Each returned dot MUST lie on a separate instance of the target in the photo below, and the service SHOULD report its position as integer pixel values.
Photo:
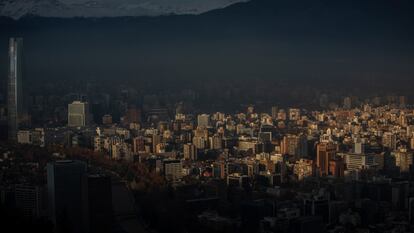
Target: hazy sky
(261, 38)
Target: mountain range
(338, 40)
(107, 8)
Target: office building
(15, 101)
(325, 152)
(403, 159)
(33, 137)
(64, 182)
(411, 210)
(203, 120)
(28, 199)
(97, 204)
(138, 144)
(190, 152)
(307, 224)
(156, 139)
(355, 162)
(359, 148)
(24, 137)
(199, 142)
(238, 180)
(336, 168)
(265, 136)
(389, 140)
(290, 144)
(216, 142)
(173, 170)
(78, 114)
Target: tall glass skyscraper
(15, 88)
(64, 184)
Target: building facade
(15, 100)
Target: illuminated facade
(78, 114)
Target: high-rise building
(97, 204)
(309, 224)
(33, 137)
(78, 114)
(238, 180)
(138, 144)
(15, 100)
(302, 146)
(336, 168)
(216, 142)
(203, 120)
(389, 140)
(275, 111)
(160, 148)
(290, 144)
(325, 152)
(199, 142)
(64, 182)
(265, 136)
(29, 199)
(411, 210)
(173, 170)
(201, 132)
(359, 147)
(356, 162)
(295, 145)
(24, 137)
(156, 139)
(190, 152)
(403, 159)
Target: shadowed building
(97, 204)
(64, 182)
(15, 88)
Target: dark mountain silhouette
(301, 39)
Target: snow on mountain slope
(108, 8)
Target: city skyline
(219, 116)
